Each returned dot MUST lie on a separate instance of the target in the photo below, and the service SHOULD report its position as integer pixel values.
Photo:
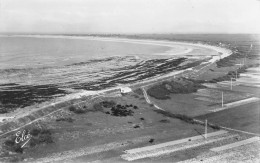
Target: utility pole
(206, 123)
(231, 82)
(222, 100)
(251, 46)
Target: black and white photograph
(120, 81)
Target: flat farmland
(245, 117)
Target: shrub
(9, 142)
(69, 119)
(18, 149)
(164, 121)
(120, 110)
(76, 110)
(135, 107)
(136, 126)
(80, 111)
(108, 104)
(3, 110)
(45, 138)
(159, 92)
(177, 116)
(138, 91)
(142, 98)
(163, 90)
(230, 74)
(97, 107)
(72, 108)
(45, 131)
(135, 96)
(41, 136)
(35, 131)
(12, 146)
(215, 127)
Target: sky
(129, 16)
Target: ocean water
(35, 69)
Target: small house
(125, 90)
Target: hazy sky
(130, 16)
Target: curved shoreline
(224, 53)
(165, 43)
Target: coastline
(161, 42)
(183, 111)
(224, 53)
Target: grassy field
(177, 86)
(73, 130)
(245, 117)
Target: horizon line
(99, 33)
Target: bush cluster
(116, 109)
(151, 140)
(120, 110)
(159, 92)
(68, 119)
(76, 110)
(3, 111)
(136, 126)
(215, 127)
(108, 104)
(164, 121)
(138, 91)
(12, 146)
(177, 116)
(163, 90)
(40, 136)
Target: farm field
(244, 117)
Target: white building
(125, 90)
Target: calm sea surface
(24, 52)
